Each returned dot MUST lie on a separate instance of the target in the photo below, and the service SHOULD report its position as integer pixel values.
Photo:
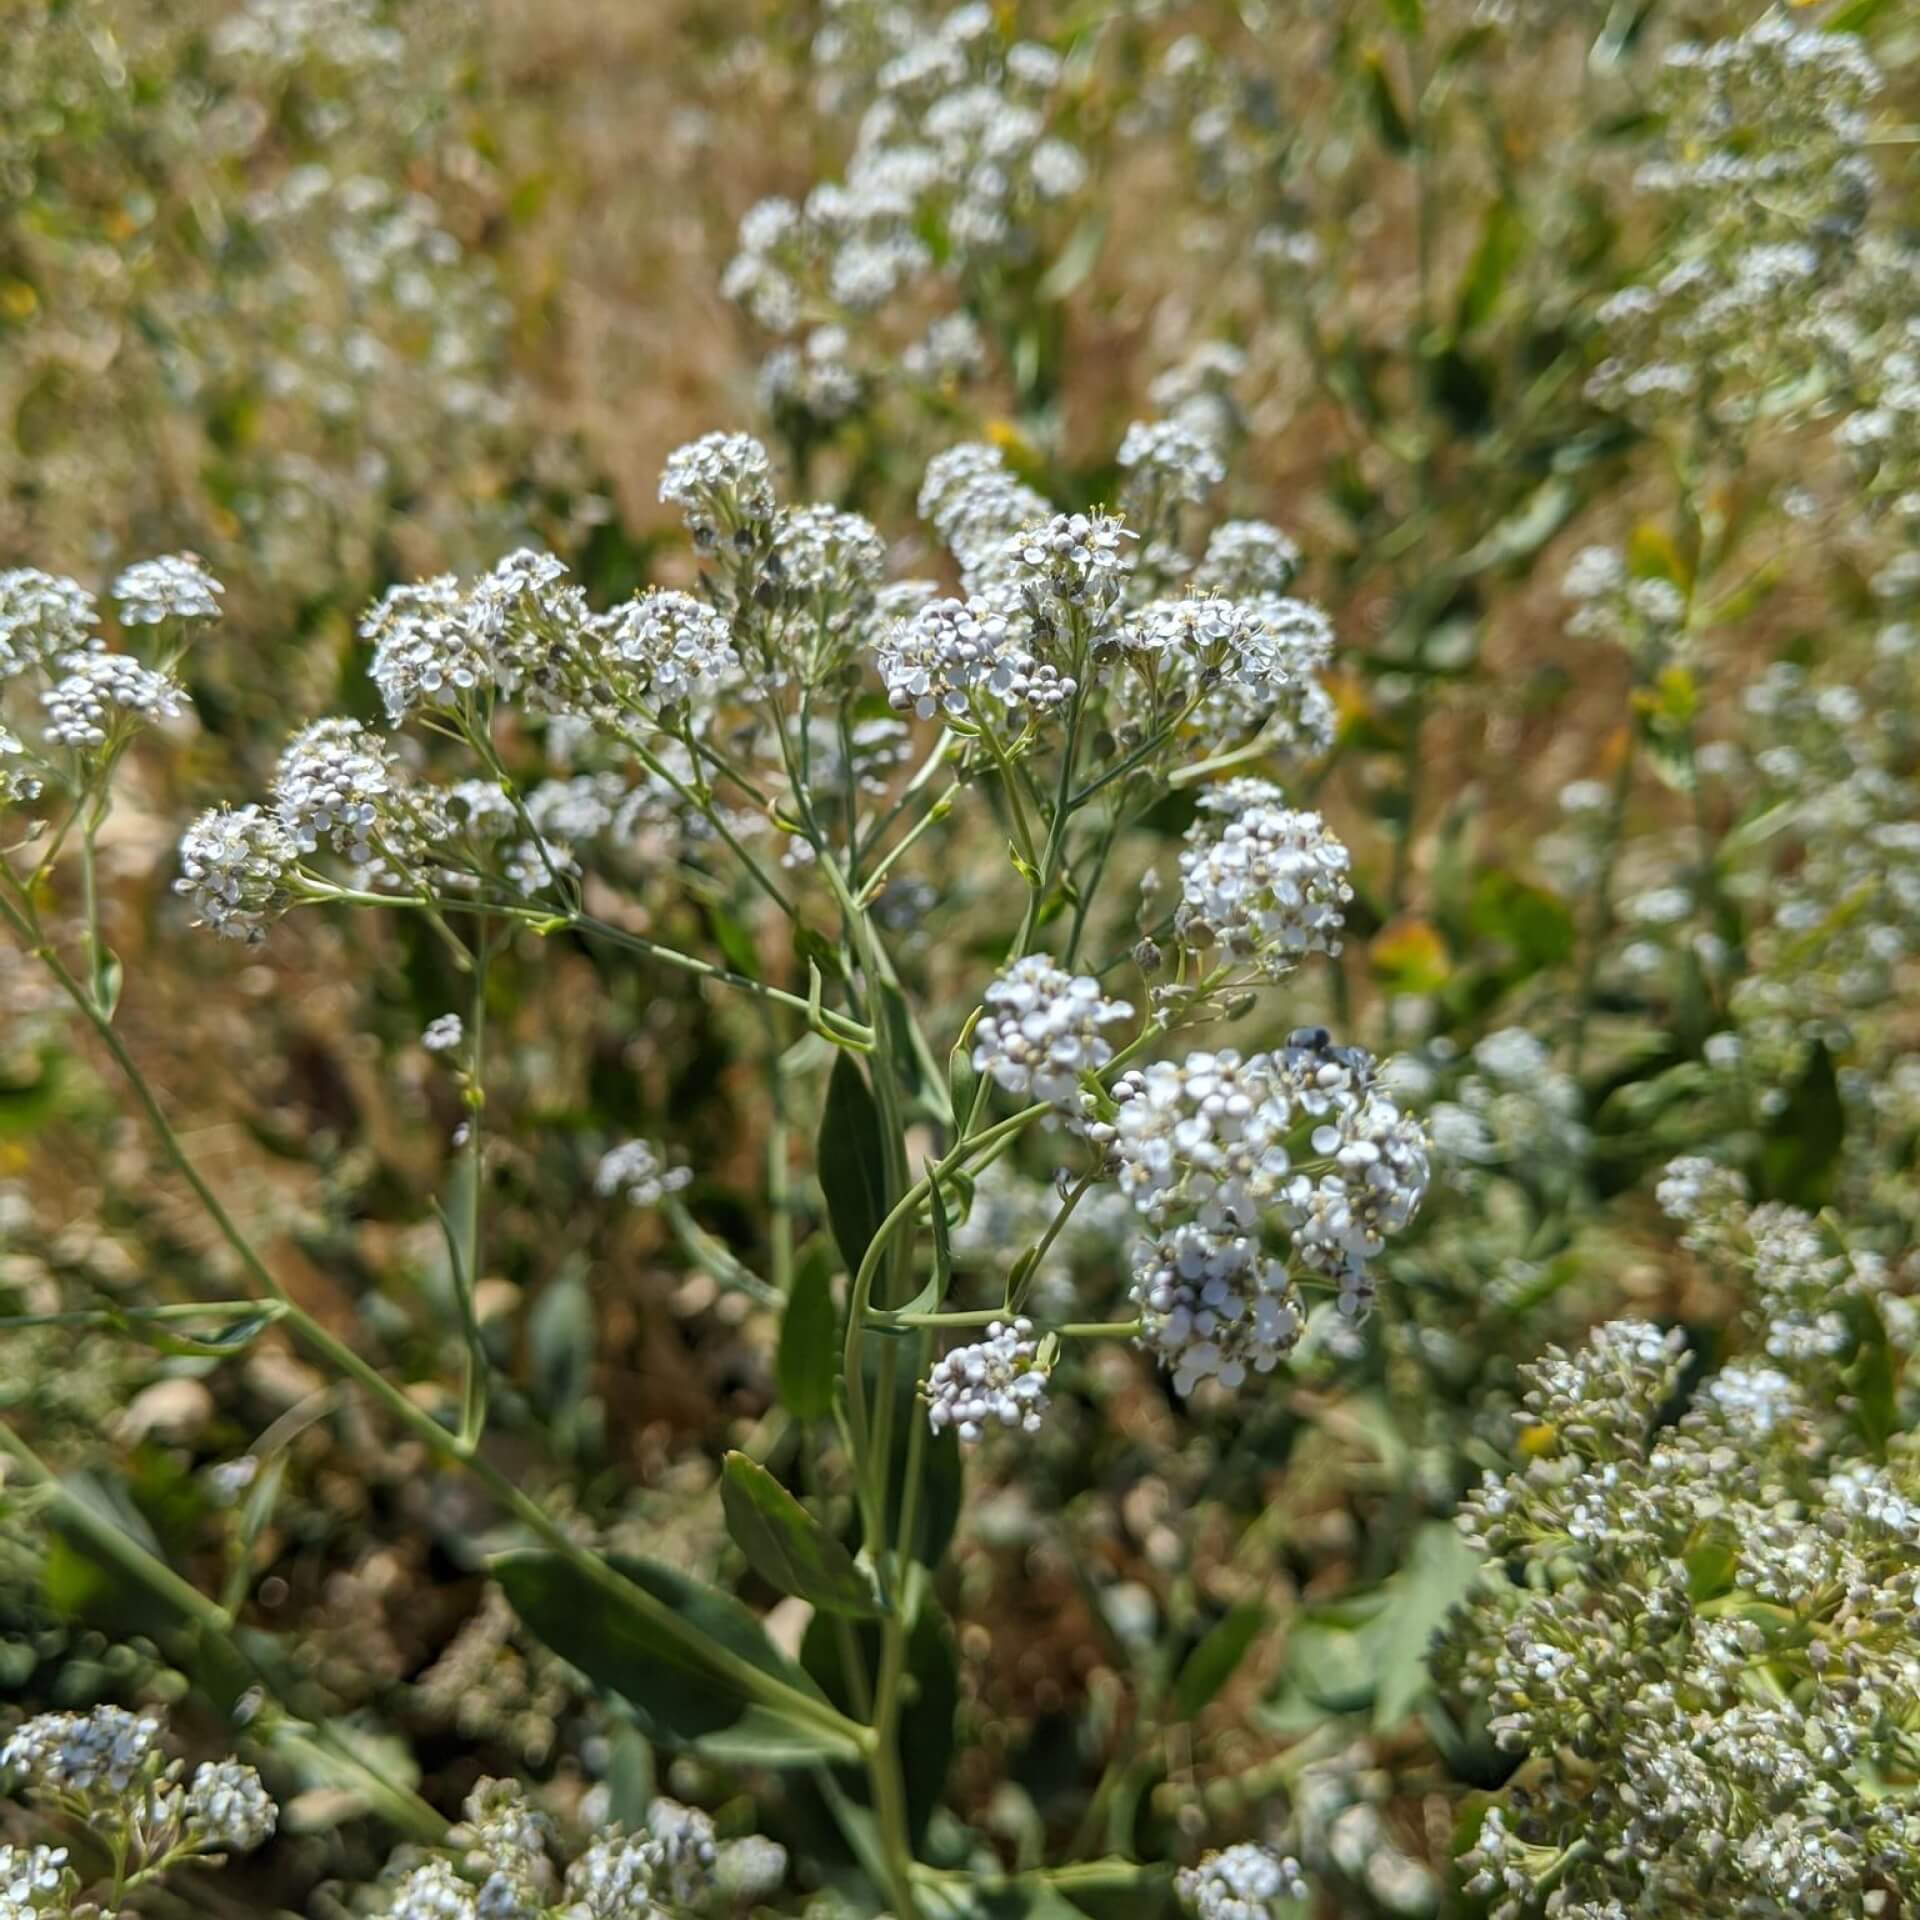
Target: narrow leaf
(678, 1697)
(808, 1361)
(1211, 1664)
(787, 1546)
(851, 1160)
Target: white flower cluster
(723, 485)
(1611, 604)
(106, 1768)
(97, 692)
(950, 656)
(1261, 882)
(1215, 1307)
(1769, 176)
(1240, 1883)
(444, 1034)
(953, 142)
(1247, 560)
(1658, 1565)
(335, 787)
(1069, 570)
(998, 1381)
(36, 1881)
(516, 629)
(227, 1810)
(1253, 663)
(502, 1866)
(44, 617)
(830, 562)
(1041, 1030)
(973, 500)
(638, 1172)
(1223, 1147)
(234, 868)
(1167, 463)
(177, 586)
(675, 648)
(1509, 1105)
(103, 1751)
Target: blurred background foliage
(336, 293)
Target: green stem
(843, 1030)
(406, 1809)
(752, 1681)
(191, 1310)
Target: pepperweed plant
(1118, 1120)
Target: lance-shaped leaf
(786, 1546)
(681, 1696)
(808, 1361)
(852, 1161)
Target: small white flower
(444, 1034)
(1261, 881)
(673, 647)
(233, 867)
(638, 1173)
(1041, 1030)
(227, 1808)
(996, 1381)
(80, 1753)
(84, 705)
(1167, 460)
(43, 618)
(1241, 1883)
(723, 484)
(177, 586)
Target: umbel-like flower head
(1214, 1307)
(1260, 881)
(1041, 1030)
(234, 865)
(43, 618)
(950, 655)
(177, 586)
(723, 485)
(97, 694)
(667, 648)
(1240, 1883)
(1302, 1138)
(997, 1381)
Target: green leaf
(1439, 1571)
(1855, 17)
(1526, 530)
(942, 1239)
(808, 1361)
(1408, 16)
(930, 1701)
(1802, 1143)
(1534, 925)
(852, 1158)
(1388, 118)
(734, 941)
(786, 1546)
(1212, 1663)
(1873, 1378)
(218, 1342)
(678, 1698)
(1502, 238)
(1075, 260)
(109, 976)
(940, 1476)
